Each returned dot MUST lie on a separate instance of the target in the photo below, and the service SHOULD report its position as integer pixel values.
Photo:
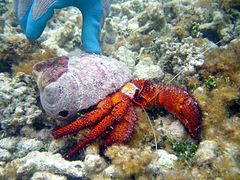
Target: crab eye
(63, 113)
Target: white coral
(18, 99)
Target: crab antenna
(154, 134)
(212, 47)
(179, 73)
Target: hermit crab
(69, 84)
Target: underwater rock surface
(18, 100)
(46, 161)
(195, 40)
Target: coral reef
(15, 48)
(145, 69)
(207, 152)
(225, 62)
(47, 176)
(220, 123)
(133, 18)
(230, 4)
(26, 66)
(169, 126)
(130, 161)
(63, 33)
(3, 6)
(126, 35)
(143, 133)
(18, 99)
(183, 56)
(198, 39)
(59, 38)
(43, 161)
(164, 160)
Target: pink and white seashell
(72, 83)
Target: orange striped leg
(116, 114)
(104, 108)
(123, 131)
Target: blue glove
(33, 15)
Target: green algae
(211, 82)
(185, 150)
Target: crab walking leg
(104, 108)
(116, 114)
(122, 131)
(181, 104)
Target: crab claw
(181, 104)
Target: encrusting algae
(130, 161)
(27, 65)
(225, 61)
(222, 66)
(142, 133)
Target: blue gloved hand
(33, 15)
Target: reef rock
(5, 155)
(207, 152)
(47, 176)
(26, 145)
(45, 161)
(181, 55)
(146, 69)
(170, 127)
(9, 143)
(162, 160)
(94, 163)
(18, 101)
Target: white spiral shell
(69, 84)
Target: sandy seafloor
(157, 40)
